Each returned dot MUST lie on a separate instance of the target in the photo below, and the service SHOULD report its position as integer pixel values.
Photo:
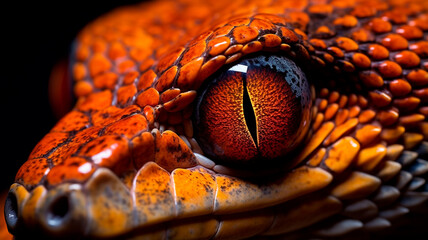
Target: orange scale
(366, 116)
(125, 94)
(150, 97)
(130, 77)
(98, 45)
(371, 79)
(128, 127)
(126, 66)
(244, 34)
(362, 11)
(395, 16)
(318, 43)
(395, 42)
(343, 100)
(342, 116)
(360, 60)
(407, 59)
(420, 48)
(352, 99)
(346, 44)
(400, 87)
(387, 117)
(271, 40)
(139, 54)
(166, 79)
(239, 22)
(378, 52)
(172, 152)
(250, 47)
(98, 63)
(116, 50)
(73, 121)
(169, 94)
(334, 96)
(325, 31)
(362, 101)
(74, 169)
(110, 151)
(406, 104)
(335, 51)
(261, 24)
(193, 52)
(328, 58)
(64, 151)
(301, 34)
(354, 111)
(83, 136)
(362, 35)
(168, 59)
(218, 45)
(222, 31)
(424, 111)
(188, 74)
(422, 94)
(96, 101)
(82, 52)
(149, 112)
(288, 35)
(390, 69)
(418, 77)
(379, 25)
(106, 80)
(411, 120)
(367, 134)
(79, 71)
(49, 142)
(209, 68)
(180, 102)
(420, 22)
(346, 21)
(379, 98)
(143, 149)
(233, 49)
(410, 32)
(146, 64)
(32, 172)
(341, 130)
(104, 116)
(146, 80)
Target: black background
(34, 36)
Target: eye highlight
(257, 110)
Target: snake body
(124, 162)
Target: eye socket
(254, 112)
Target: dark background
(34, 36)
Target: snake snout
(60, 211)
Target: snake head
(297, 119)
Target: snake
(237, 119)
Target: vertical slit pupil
(250, 117)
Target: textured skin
(137, 71)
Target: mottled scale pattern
(127, 160)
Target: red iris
(258, 109)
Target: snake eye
(257, 110)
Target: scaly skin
(124, 161)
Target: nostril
(58, 211)
(11, 211)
